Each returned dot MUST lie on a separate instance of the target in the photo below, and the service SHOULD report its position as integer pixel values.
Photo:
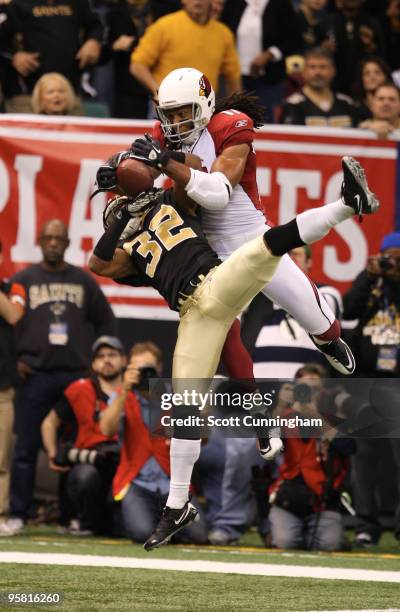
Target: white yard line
(251, 569)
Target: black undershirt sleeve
(64, 411)
(107, 244)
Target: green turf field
(98, 588)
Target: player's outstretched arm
(232, 163)
(120, 266)
(182, 198)
(108, 260)
(211, 191)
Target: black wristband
(107, 244)
(178, 156)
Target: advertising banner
(48, 166)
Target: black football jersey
(300, 110)
(169, 250)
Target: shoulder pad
(230, 127)
(230, 120)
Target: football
(133, 177)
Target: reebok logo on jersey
(241, 123)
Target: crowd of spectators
(84, 398)
(312, 62)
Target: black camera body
(5, 286)
(385, 263)
(145, 375)
(388, 262)
(302, 393)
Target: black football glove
(114, 210)
(149, 151)
(133, 206)
(106, 176)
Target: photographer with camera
(142, 478)
(91, 460)
(11, 310)
(374, 300)
(306, 496)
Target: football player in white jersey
(222, 136)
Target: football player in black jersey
(154, 240)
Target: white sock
(316, 223)
(183, 454)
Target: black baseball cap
(110, 341)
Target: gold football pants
(207, 315)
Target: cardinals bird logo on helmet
(205, 86)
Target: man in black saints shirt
(60, 36)
(165, 247)
(62, 304)
(317, 104)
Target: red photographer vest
(138, 446)
(82, 398)
(301, 458)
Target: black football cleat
(338, 354)
(355, 191)
(172, 521)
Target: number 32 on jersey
(159, 236)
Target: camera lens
(302, 393)
(145, 374)
(386, 263)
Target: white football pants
(290, 287)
